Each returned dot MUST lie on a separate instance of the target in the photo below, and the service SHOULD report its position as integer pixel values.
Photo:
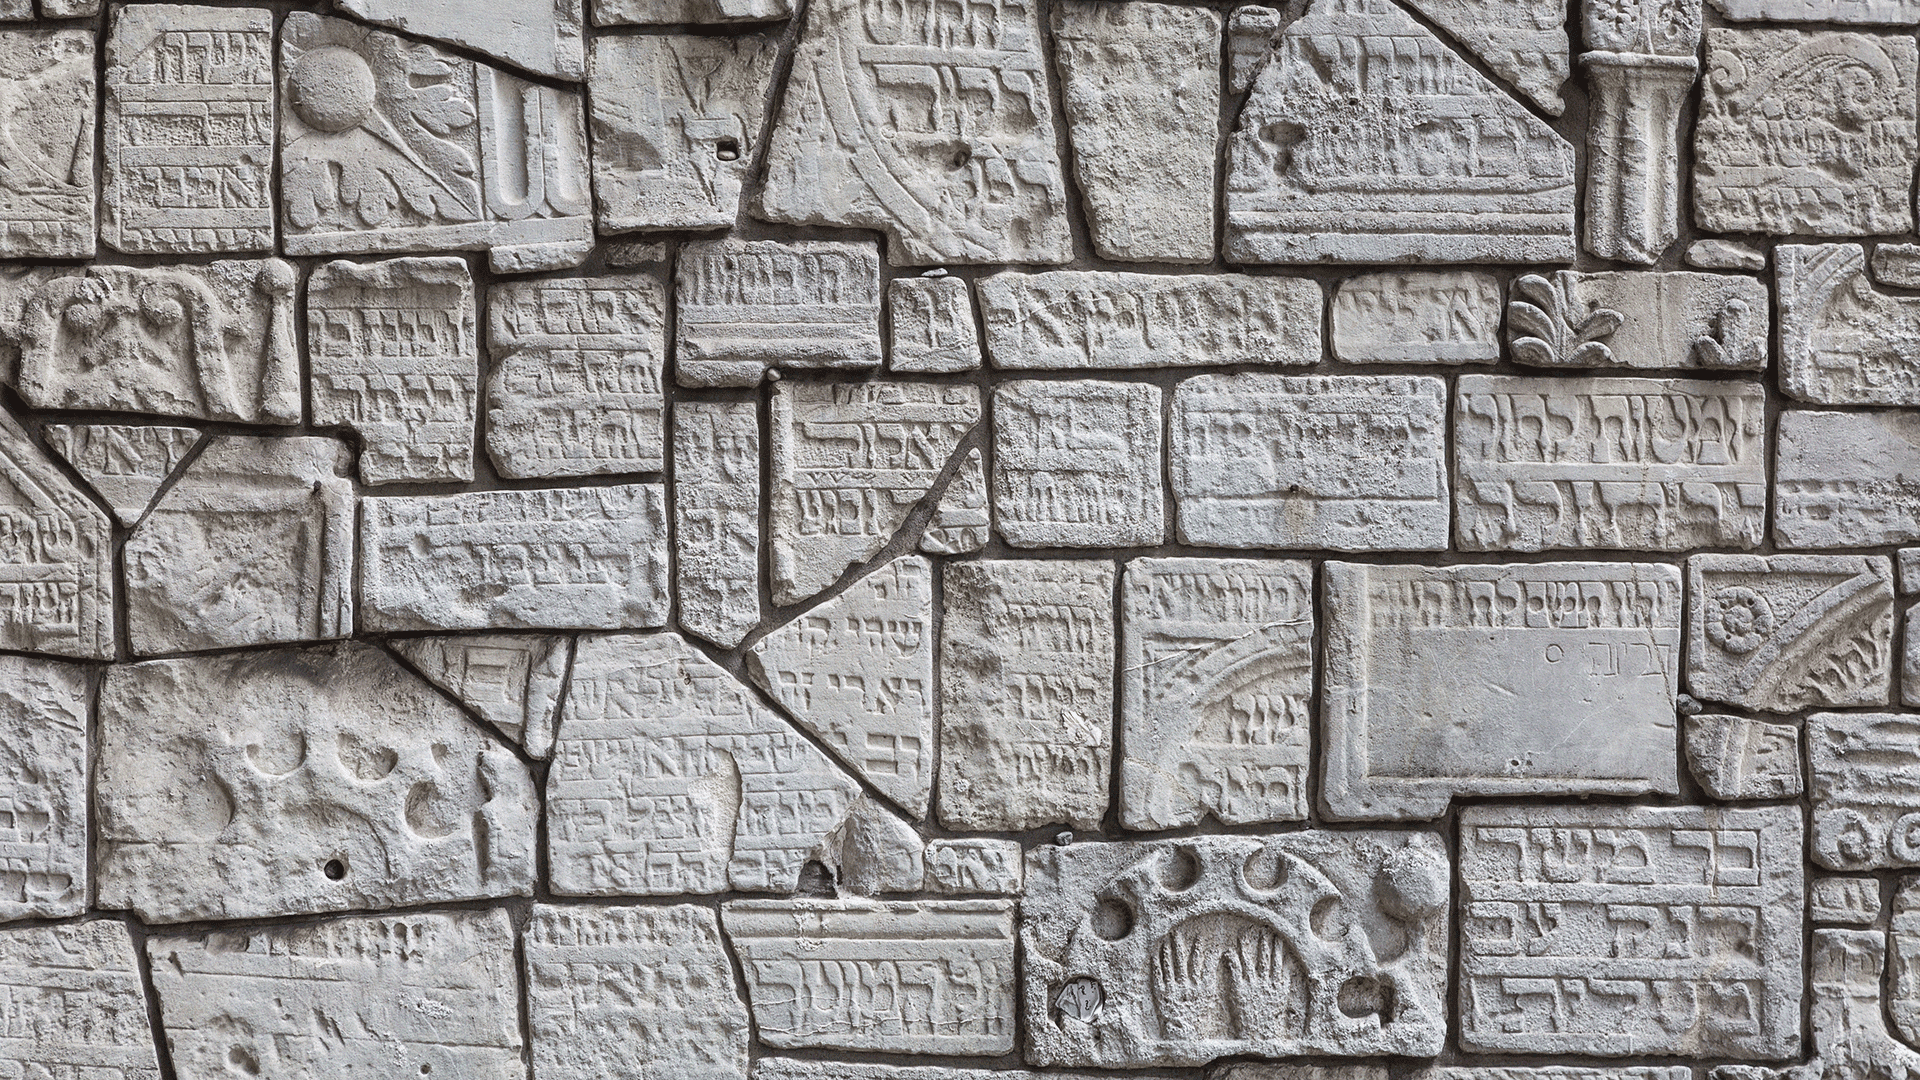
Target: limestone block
(1271, 1070)
(671, 12)
(1071, 319)
(1641, 464)
(777, 1068)
(743, 802)
(625, 992)
(1910, 659)
(544, 38)
(1846, 479)
(1842, 341)
(45, 710)
(390, 145)
(1487, 679)
(857, 672)
(512, 681)
(253, 545)
(188, 130)
(1907, 562)
(295, 781)
(931, 976)
(1348, 462)
(1867, 12)
(716, 515)
(932, 321)
(868, 138)
(47, 177)
(1026, 693)
(1140, 84)
(742, 306)
(1844, 901)
(1253, 33)
(962, 521)
(1636, 319)
(1781, 633)
(1806, 132)
(1077, 464)
(1525, 44)
(1904, 937)
(1640, 73)
(575, 387)
(872, 850)
(1718, 254)
(124, 464)
(1417, 317)
(212, 342)
(394, 358)
(56, 563)
(1332, 158)
(568, 558)
(1848, 1017)
(1176, 952)
(850, 463)
(1553, 1072)
(75, 1004)
(1216, 688)
(956, 867)
(676, 124)
(428, 993)
(1686, 902)
(1865, 784)
(1738, 758)
(1897, 265)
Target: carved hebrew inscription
(1781, 633)
(75, 1006)
(56, 556)
(1111, 321)
(743, 306)
(47, 178)
(1843, 479)
(1075, 464)
(45, 706)
(716, 469)
(1866, 798)
(1842, 341)
(124, 463)
(1417, 317)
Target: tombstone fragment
(544, 38)
(873, 850)
(1897, 265)
(252, 545)
(673, 12)
(125, 464)
(1552, 1072)
(956, 867)
(1640, 69)
(575, 388)
(45, 711)
(1910, 661)
(1738, 758)
(297, 781)
(1724, 255)
(932, 320)
(1781, 633)
(1525, 44)
(716, 472)
(1842, 341)
(1215, 945)
(1417, 317)
(962, 521)
(80, 1008)
(742, 306)
(1077, 464)
(1848, 1018)
(47, 177)
(568, 558)
(1863, 786)
(1844, 901)
(1640, 320)
(513, 681)
(1840, 479)
(56, 564)
(1072, 319)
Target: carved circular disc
(332, 88)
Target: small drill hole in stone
(336, 869)
(727, 150)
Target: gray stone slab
(932, 325)
(1848, 1017)
(57, 568)
(1417, 317)
(672, 12)
(49, 173)
(962, 520)
(1781, 633)
(1867, 12)
(1640, 73)
(46, 709)
(1637, 319)
(1077, 464)
(512, 681)
(1843, 341)
(742, 306)
(716, 516)
(1106, 320)
(1903, 938)
(77, 1005)
(1738, 758)
(1865, 789)
(1717, 254)
(1843, 901)
(959, 867)
(1846, 479)
(544, 38)
(124, 463)
(1525, 44)
(1897, 265)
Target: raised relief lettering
(45, 711)
(1846, 479)
(1865, 788)
(1842, 341)
(46, 176)
(1417, 317)
(125, 464)
(1843, 901)
(1738, 758)
(75, 1004)
(742, 306)
(513, 681)
(962, 521)
(1077, 464)
(1781, 633)
(957, 867)
(1523, 43)
(932, 322)
(56, 556)
(1110, 321)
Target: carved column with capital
(1643, 61)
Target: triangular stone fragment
(125, 463)
(542, 36)
(858, 672)
(1523, 41)
(961, 521)
(512, 680)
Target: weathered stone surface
(575, 385)
(1077, 464)
(1071, 319)
(47, 177)
(75, 1004)
(585, 558)
(1910, 660)
(1348, 462)
(974, 866)
(640, 993)
(1640, 72)
(1870, 12)
(742, 306)
(389, 145)
(513, 681)
(873, 850)
(1140, 85)
(742, 801)
(1865, 788)
(1848, 1018)
(1904, 938)
(1725, 255)
(253, 545)
(544, 38)
(1253, 32)
(850, 462)
(1215, 691)
(932, 321)
(716, 508)
(1642, 464)
(123, 463)
(1026, 688)
(930, 977)
(775, 1068)
(394, 358)
(1738, 758)
(214, 341)
(1806, 132)
(1842, 341)
(671, 12)
(188, 130)
(294, 781)
(857, 672)
(430, 993)
(1844, 901)
(1907, 565)
(1781, 633)
(1417, 317)
(933, 125)
(1177, 952)
(45, 710)
(56, 556)
(1490, 680)
(1695, 908)
(1635, 319)
(1335, 157)
(1846, 479)
(676, 123)
(962, 521)
(1551, 1072)
(1270, 1070)
(1525, 44)
(1897, 265)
